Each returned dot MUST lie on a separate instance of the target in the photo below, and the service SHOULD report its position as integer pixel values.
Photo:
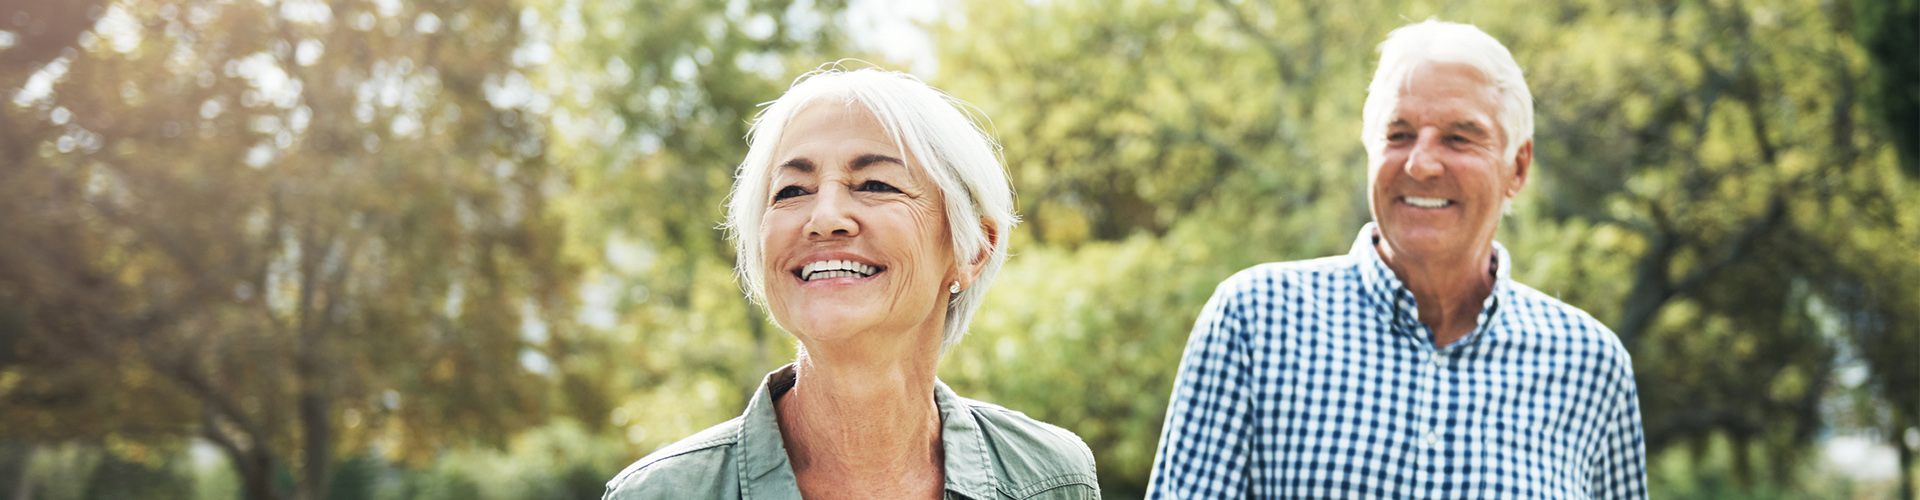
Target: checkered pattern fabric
(1315, 379)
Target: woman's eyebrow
(804, 165)
(869, 159)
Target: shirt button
(1439, 360)
(1430, 439)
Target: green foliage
(560, 461)
(284, 228)
(1710, 471)
(1703, 184)
(451, 221)
(114, 478)
(654, 102)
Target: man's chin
(1423, 243)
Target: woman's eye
(789, 192)
(879, 187)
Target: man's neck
(863, 429)
(1449, 293)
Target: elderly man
(1412, 367)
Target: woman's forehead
(843, 131)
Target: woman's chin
(828, 330)
(828, 323)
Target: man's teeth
(829, 269)
(1426, 202)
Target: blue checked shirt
(1316, 379)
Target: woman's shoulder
(695, 467)
(1033, 457)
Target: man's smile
(1425, 202)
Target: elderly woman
(870, 216)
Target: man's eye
(789, 192)
(1399, 136)
(878, 187)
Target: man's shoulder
(1282, 274)
(1032, 455)
(1539, 314)
(695, 467)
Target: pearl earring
(954, 288)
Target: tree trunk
(318, 453)
(22, 481)
(1651, 289)
(316, 388)
(1906, 466)
(253, 462)
(256, 475)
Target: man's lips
(1426, 202)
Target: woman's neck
(863, 427)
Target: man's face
(1438, 184)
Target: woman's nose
(832, 214)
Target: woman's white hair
(932, 128)
(1438, 41)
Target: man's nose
(832, 214)
(1423, 162)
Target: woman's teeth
(829, 269)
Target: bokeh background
(466, 249)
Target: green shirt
(992, 453)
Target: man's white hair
(933, 130)
(1434, 41)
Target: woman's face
(856, 238)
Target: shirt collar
(764, 470)
(1391, 298)
(766, 473)
(970, 466)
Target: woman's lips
(836, 268)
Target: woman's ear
(971, 270)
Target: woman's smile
(830, 270)
(859, 228)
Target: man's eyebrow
(1471, 128)
(869, 159)
(802, 164)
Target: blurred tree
(116, 478)
(287, 227)
(1704, 186)
(1885, 28)
(1764, 226)
(306, 227)
(1157, 148)
(653, 100)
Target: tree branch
(1274, 48)
(1741, 245)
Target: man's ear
(1522, 162)
(971, 269)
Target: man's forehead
(1472, 124)
(1453, 95)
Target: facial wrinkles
(1435, 118)
(923, 249)
(928, 221)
